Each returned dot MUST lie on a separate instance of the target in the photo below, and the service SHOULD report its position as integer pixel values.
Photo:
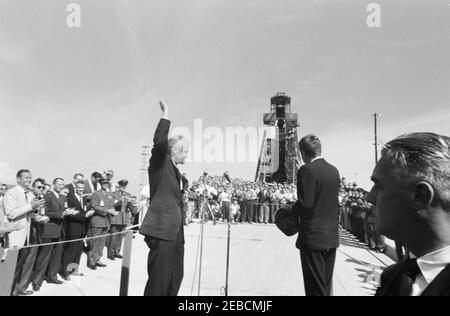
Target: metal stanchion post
(8, 262)
(125, 276)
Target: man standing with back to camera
(163, 223)
(318, 210)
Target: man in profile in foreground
(411, 195)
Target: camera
(41, 210)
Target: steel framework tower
(279, 159)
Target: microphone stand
(227, 274)
(202, 210)
(228, 252)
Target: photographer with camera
(37, 218)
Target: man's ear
(423, 195)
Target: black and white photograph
(225, 152)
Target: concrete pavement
(262, 262)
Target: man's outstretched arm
(161, 137)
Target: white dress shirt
(431, 265)
(320, 157)
(80, 199)
(17, 206)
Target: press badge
(102, 203)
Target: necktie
(410, 270)
(28, 221)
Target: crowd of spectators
(35, 212)
(245, 201)
(256, 202)
(49, 223)
(356, 215)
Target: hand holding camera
(37, 204)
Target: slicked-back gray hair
(417, 157)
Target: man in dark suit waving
(317, 208)
(163, 223)
(411, 195)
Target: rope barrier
(71, 241)
(257, 203)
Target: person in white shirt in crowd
(5, 226)
(253, 212)
(225, 200)
(143, 204)
(18, 204)
(235, 211)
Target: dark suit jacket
(101, 201)
(164, 217)
(76, 224)
(70, 188)
(439, 287)
(54, 209)
(318, 206)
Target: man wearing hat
(235, 211)
(124, 208)
(109, 175)
(103, 205)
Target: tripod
(201, 210)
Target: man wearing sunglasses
(37, 218)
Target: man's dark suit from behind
(317, 208)
(163, 224)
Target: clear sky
(86, 99)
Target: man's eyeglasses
(41, 187)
